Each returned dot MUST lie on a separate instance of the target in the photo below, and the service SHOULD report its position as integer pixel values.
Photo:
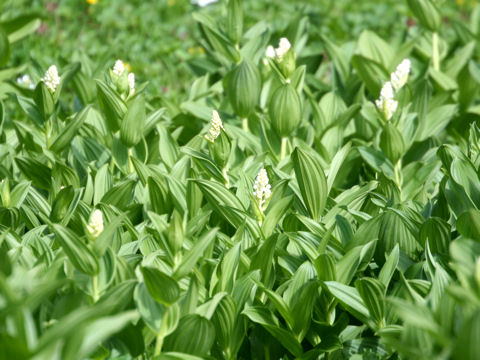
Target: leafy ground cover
(243, 180)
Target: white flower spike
(283, 47)
(270, 53)
(95, 224)
(386, 103)
(215, 127)
(203, 3)
(131, 83)
(26, 80)
(400, 76)
(119, 67)
(262, 189)
(51, 78)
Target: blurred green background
(160, 40)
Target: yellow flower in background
(92, 2)
(171, 2)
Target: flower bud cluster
(95, 224)
(123, 80)
(262, 190)
(215, 127)
(51, 78)
(387, 103)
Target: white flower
(119, 67)
(215, 127)
(262, 189)
(203, 3)
(270, 53)
(400, 76)
(283, 47)
(131, 82)
(25, 80)
(95, 224)
(51, 78)
(386, 103)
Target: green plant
(315, 200)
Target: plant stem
(158, 345)
(95, 288)
(283, 148)
(47, 132)
(130, 162)
(397, 170)
(225, 176)
(245, 124)
(161, 332)
(435, 55)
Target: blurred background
(161, 41)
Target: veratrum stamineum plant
(314, 194)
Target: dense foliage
(252, 180)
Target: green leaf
(194, 335)
(370, 72)
(120, 195)
(435, 121)
(389, 267)
(224, 320)
(311, 181)
(377, 160)
(195, 253)
(65, 137)
(131, 128)
(78, 253)
(373, 47)
(235, 20)
(325, 266)
(34, 170)
(151, 311)
(4, 48)
(468, 224)
(350, 298)
(372, 293)
(44, 100)
(161, 287)
(262, 316)
(113, 106)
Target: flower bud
(131, 83)
(262, 190)
(400, 76)
(386, 103)
(218, 140)
(244, 86)
(51, 78)
(285, 110)
(216, 126)
(95, 224)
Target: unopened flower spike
(215, 127)
(262, 189)
(131, 83)
(51, 78)
(95, 224)
(270, 52)
(283, 47)
(400, 76)
(386, 103)
(26, 80)
(119, 67)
